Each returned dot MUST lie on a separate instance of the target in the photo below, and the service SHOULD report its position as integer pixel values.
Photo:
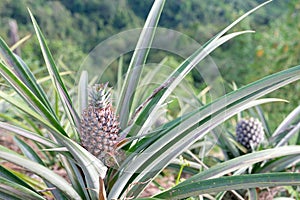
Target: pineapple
(99, 130)
(249, 132)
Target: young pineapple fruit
(99, 129)
(249, 132)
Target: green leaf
(28, 151)
(289, 135)
(199, 123)
(143, 123)
(92, 167)
(280, 164)
(52, 124)
(60, 183)
(20, 42)
(145, 120)
(32, 155)
(287, 121)
(5, 173)
(137, 61)
(12, 190)
(55, 76)
(199, 187)
(283, 128)
(83, 91)
(28, 134)
(243, 161)
(75, 176)
(29, 98)
(23, 72)
(263, 120)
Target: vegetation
(162, 124)
(85, 25)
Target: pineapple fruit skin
(99, 128)
(249, 132)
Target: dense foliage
(85, 24)
(149, 123)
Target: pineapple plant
(249, 132)
(99, 128)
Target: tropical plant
(53, 125)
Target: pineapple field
(149, 113)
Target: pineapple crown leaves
(100, 95)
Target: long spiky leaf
(187, 66)
(28, 134)
(143, 121)
(138, 59)
(54, 74)
(20, 68)
(92, 167)
(10, 190)
(42, 171)
(197, 125)
(231, 183)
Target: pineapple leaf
(284, 126)
(28, 134)
(11, 191)
(54, 74)
(28, 96)
(199, 186)
(23, 72)
(51, 124)
(253, 194)
(32, 155)
(200, 122)
(138, 59)
(47, 174)
(83, 91)
(92, 167)
(145, 118)
(243, 161)
(7, 174)
(287, 121)
(75, 177)
(144, 121)
(20, 42)
(280, 164)
(288, 135)
(28, 151)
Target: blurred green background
(74, 27)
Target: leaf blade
(217, 111)
(42, 171)
(137, 60)
(231, 183)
